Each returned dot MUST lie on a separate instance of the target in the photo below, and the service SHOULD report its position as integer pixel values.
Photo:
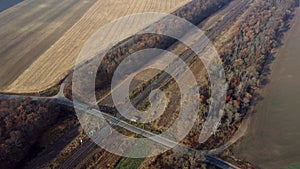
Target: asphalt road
(164, 141)
(89, 146)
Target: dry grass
(53, 65)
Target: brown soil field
(55, 63)
(272, 140)
(28, 29)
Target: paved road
(89, 146)
(116, 121)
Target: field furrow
(55, 63)
(24, 39)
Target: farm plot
(54, 64)
(28, 29)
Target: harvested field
(54, 64)
(7, 4)
(28, 29)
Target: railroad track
(188, 56)
(89, 146)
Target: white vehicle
(135, 119)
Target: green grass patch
(133, 163)
(130, 163)
(292, 167)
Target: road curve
(82, 152)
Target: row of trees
(21, 124)
(195, 11)
(244, 57)
(248, 48)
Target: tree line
(22, 122)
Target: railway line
(88, 146)
(162, 78)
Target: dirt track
(53, 65)
(28, 29)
